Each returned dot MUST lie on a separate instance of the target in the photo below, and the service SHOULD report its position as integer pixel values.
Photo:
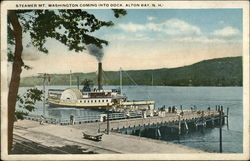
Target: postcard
(125, 80)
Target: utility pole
(108, 120)
(227, 118)
(121, 80)
(220, 130)
(70, 79)
(44, 76)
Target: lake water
(201, 97)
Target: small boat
(95, 137)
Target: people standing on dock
(182, 113)
(41, 120)
(163, 108)
(71, 120)
(174, 109)
(169, 109)
(195, 108)
(219, 108)
(209, 110)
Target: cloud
(131, 27)
(201, 39)
(170, 27)
(126, 37)
(207, 40)
(226, 32)
(175, 27)
(176, 30)
(151, 18)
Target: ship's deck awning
(71, 94)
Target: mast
(78, 82)
(70, 79)
(44, 76)
(44, 99)
(121, 80)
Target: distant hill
(214, 72)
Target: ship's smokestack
(99, 76)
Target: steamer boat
(95, 99)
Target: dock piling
(220, 131)
(179, 117)
(227, 115)
(212, 119)
(159, 133)
(186, 125)
(227, 118)
(99, 127)
(108, 123)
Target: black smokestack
(99, 76)
(97, 52)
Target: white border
(166, 5)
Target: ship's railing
(137, 103)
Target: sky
(148, 39)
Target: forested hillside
(214, 72)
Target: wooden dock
(174, 120)
(115, 141)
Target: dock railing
(80, 119)
(45, 119)
(169, 117)
(123, 120)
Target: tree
(26, 102)
(72, 28)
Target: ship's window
(99, 100)
(91, 101)
(102, 100)
(95, 100)
(84, 101)
(80, 101)
(88, 101)
(107, 100)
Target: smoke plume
(95, 51)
